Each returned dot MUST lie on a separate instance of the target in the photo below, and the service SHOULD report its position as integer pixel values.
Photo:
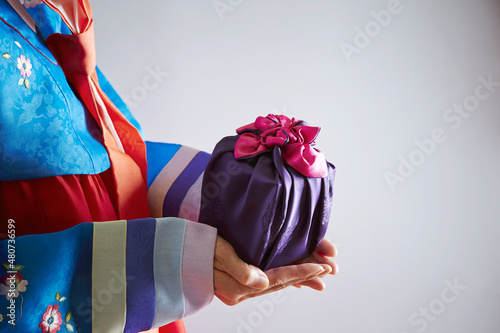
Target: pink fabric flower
(294, 137)
(52, 320)
(24, 66)
(31, 3)
(19, 285)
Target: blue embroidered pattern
(37, 124)
(23, 64)
(44, 128)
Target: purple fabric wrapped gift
(268, 191)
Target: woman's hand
(236, 281)
(323, 255)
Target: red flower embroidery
(52, 320)
(31, 3)
(12, 285)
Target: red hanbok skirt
(52, 204)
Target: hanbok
(80, 249)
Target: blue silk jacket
(114, 276)
(45, 130)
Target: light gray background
(397, 248)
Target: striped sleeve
(117, 276)
(175, 176)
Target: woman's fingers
(326, 248)
(322, 260)
(319, 259)
(227, 289)
(226, 260)
(231, 292)
(323, 255)
(293, 275)
(276, 283)
(285, 276)
(236, 281)
(316, 284)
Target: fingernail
(261, 280)
(326, 270)
(335, 270)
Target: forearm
(126, 275)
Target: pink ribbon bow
(293, 137)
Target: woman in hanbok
(71, 153)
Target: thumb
(251, 276)
(228, 261)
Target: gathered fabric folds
(271, 213)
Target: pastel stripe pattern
(177, 192)
(149, 272)
(161, 185)
(81, 286)
(169, 241)
(109, 304)
(118, 276)
(190, 207)
(158, 155)
(197, 277)
(140, 275)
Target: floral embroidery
(31, 3)
(52, 320)
(23, 64)
(72, 149)
(12, 285)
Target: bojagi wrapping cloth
(268, 191)
(271, 201)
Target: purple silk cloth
(270, 213)
(294, 137)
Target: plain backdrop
(420, 256)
